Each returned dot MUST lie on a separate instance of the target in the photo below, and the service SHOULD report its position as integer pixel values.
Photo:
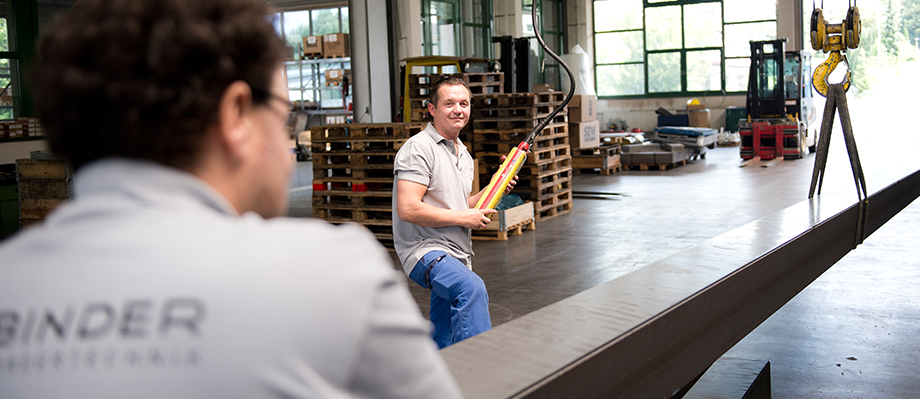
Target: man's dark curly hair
(143, 78)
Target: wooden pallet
(322, 184)
(540, 143)
(536, 169)
(513, 123)
(366, 130)
(650, 166)
(508, 221)
(498, 235)
(360, 172)
(531, 111)
(536, 157)
(552, 200)
(342, 197)
(518, 135)
(349, 146)
(605, 159)
(542, 186)
(553, 211)
(608, 170)
(428, 80)
(505, 100)
(43, 185)
(370, 215)
(367, 159)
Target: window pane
(550, 18)
(663, 72)
(441, 25)
(296, 26)
(326, 21)
(473, 37)
(737, 71)
(4, 36)
(662, 26)
(9, 79)
(620, 80)
(738, 37)
(703, 25)
(618, 47)
(749, 10)
(617, 15)
(527, 20)
(346, 26)
(704, 70)
(472, 11)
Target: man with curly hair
(169, 275)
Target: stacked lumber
(501, 122)
(353, 173)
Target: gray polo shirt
(431, 160)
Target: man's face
(275, 160)
(452, 111)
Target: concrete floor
(855, 332)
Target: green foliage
(910, 15)
(890, 35)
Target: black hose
(537, 129)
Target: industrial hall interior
(674, 198)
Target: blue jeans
(459, 302)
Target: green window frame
(470, 24)
(675, 48)
(16, 55)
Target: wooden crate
(508, 222)
(42, 185)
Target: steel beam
(651, 332)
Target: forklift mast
(779, 85)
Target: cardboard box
(542, 88)
(312, 46)
(336, 45)
(336, 76)
(583, 108)
(585, 134)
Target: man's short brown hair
(143, 78)
(453, 80)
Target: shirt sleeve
(413, 163)
(399, 359)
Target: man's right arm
(412, 209)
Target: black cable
(537, 129)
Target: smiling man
(433, 214)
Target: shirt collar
(437, 137)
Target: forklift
(780, 106)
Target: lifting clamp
(834, 40)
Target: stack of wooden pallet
(605, 159)
(43, 185)
(501, 122)
(353, 173)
